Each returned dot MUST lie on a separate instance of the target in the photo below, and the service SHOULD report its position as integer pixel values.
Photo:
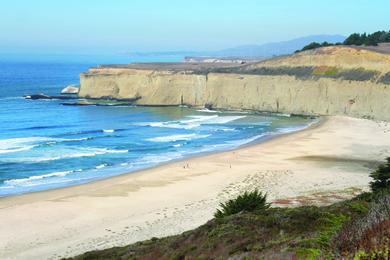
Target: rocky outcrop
(44, 96)
(71, 89)
(296, 84)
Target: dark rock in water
(106, 101)
(111, 99)
(85, 102)
(37, 96)
(77, 104)
(43, 96)
(208, 106)
(97, 103)
(115, 104)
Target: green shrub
(248, 201)
(332, 223)
(308, 253)
(325, 71)
(358, 207)
(315, 45)
(381, 177)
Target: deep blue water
(45, 145)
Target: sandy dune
(330, 161)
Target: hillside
(353, 229)
(355, 63)
(321, 62)
(334, 56)
(251, 51)
(381, 48)
(336, 62)
(276, 48)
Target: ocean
(46, 145)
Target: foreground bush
(381, 177)
(248, 201)
(369, 233)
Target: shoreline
(328, 161)
(316, 122)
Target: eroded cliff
(328, 81)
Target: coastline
(330, 157)
(266, 136)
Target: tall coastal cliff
(327, 81)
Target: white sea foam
(18, 142)
(240, 142)
(214, 119)
(108, 130)
(64, 140)
(67, 154)
(227, 130)
(113, 151)
(237, 112)
(37, 177)
(286, 130)
(173, 124)
(173, 138)
(26, 148)
(13, 145)
(193, 122)
(74, 139)
(100, 166)
(223, 119)
(228, 145)
(160, 158)
(198, 119)
(283, 114)
(205, 110)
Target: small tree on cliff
(381, 177)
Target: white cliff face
(318, 95)
(284, 94)
(154, 87)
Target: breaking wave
(37, 177)
(173, 138)
(64, 154)
(194, 122)
(14, 145)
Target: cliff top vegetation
(357, 39)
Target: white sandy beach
(322, 164)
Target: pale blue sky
(104, 26)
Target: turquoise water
(45, 145)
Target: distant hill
(276, 48)
(251, 51)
